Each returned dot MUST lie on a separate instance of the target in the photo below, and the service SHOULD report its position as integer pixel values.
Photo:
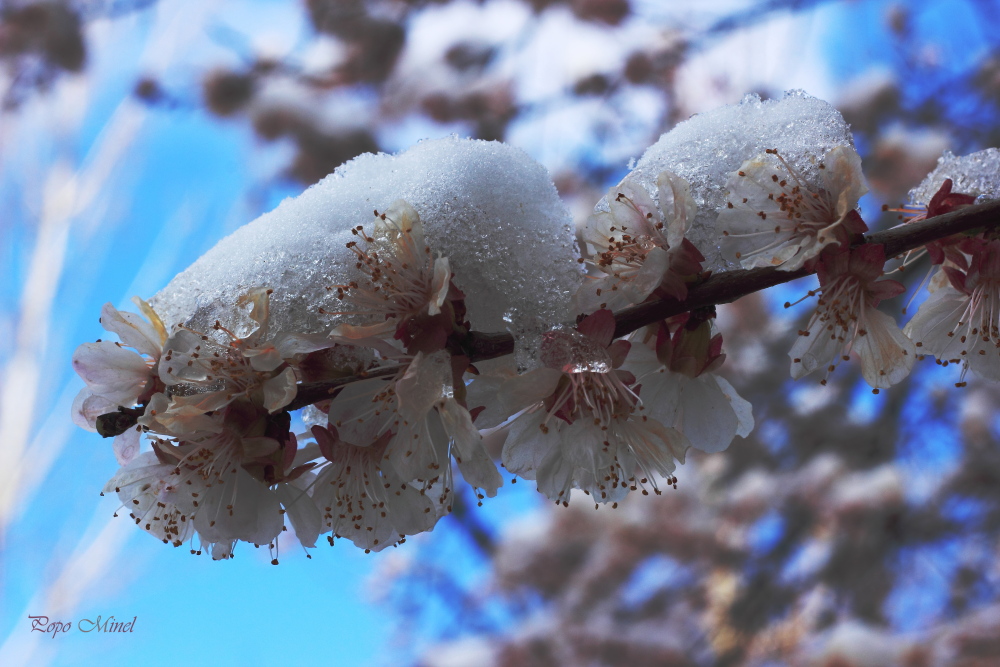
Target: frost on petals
(847, 319)
(403, 292)
(639, 246)
(214, 370)
(775, 217)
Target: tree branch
(718, 288)
(728, 286)
(724, 287)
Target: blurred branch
(741, 20)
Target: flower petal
(477, 467)
(678, 207)
(133, 330)
(116, 373)
(887, 355)
(280, 390)
(301, 510)
(126, 445)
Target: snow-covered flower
(678, 384)
(640, 247)
(580, 424)
(847, 319)
(776, 217)
(960, 322)
(207, 372)
(404, 291)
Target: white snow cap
(488, 207)
(973, 174)
(710, 146)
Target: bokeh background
(849, 529)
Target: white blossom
(640, 246)
(960, 322)
(775, 217)
(580, 424)
(847, 319)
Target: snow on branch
(387, 296)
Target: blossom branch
(716, 289)
(728, 286)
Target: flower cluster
(848, 318)
(223, 463)
(400, 412)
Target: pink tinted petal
(327, 440)
(885, 289)
(87, 407)
(599, 326)
(956, 278)
(106, 364)
(618, 350)
(126, 446)
(868, 261)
